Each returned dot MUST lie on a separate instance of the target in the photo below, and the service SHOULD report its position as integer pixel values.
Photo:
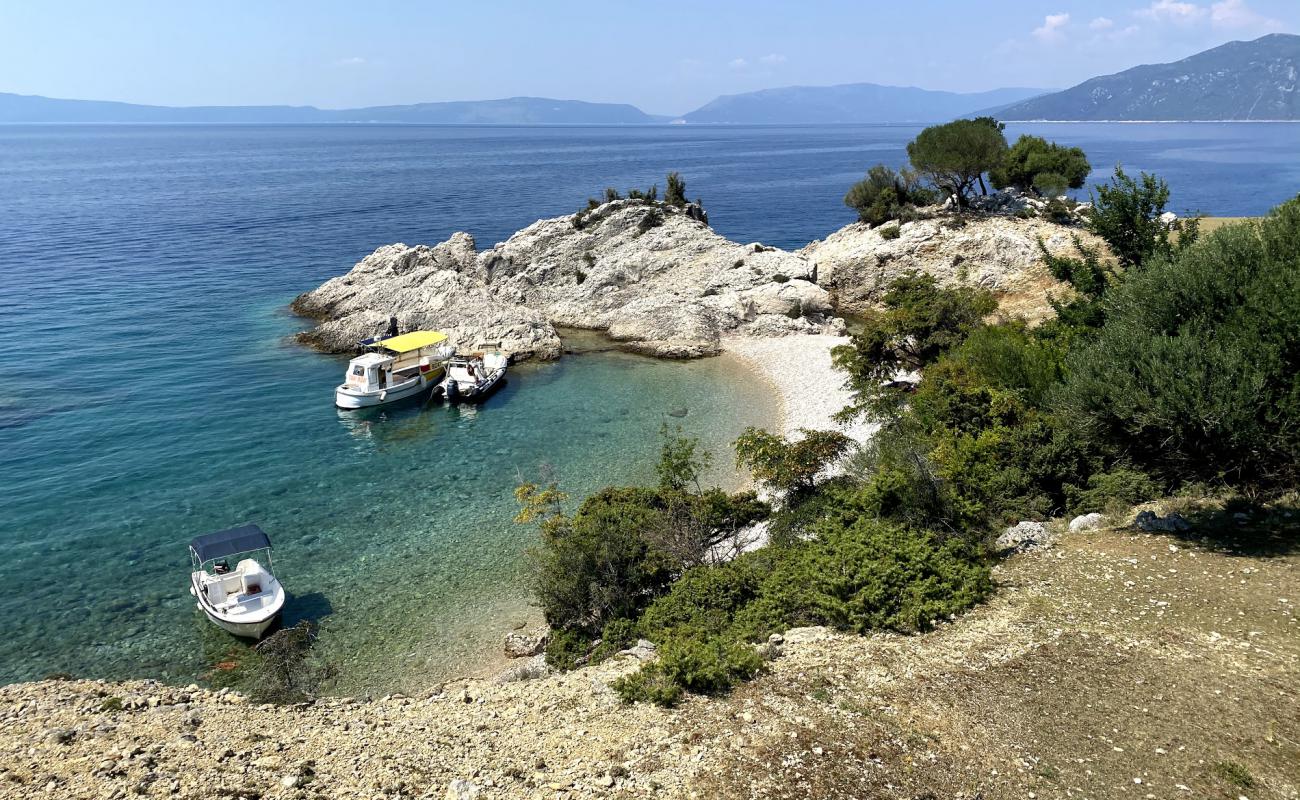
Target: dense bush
(890, 232)
(1196, 372)
(919, 322)
(1033, 163)
(1126, 214)
(885, 194)
(624, 546)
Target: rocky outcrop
(658, 280)
(654, 277)
(424, 287)
(1000, 253)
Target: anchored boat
(244, 599)
(394, 369)
(475, 376)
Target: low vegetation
(674, 196)
(885, 195)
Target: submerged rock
(522, 645)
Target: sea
(153, 391)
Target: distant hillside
(1235, 81)
(852, 102)
(513, 111)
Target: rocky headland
(660, 281)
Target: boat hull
(471, 393)
(250, 626)
(351, 399)
(247, 630)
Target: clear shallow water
(144, 273)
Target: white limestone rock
(1087, 522)
(654, 277)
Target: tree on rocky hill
(954, 156)
(1033, 163)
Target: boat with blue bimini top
(245, 599)
(474, 376)
(393, 369)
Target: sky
(665, 57)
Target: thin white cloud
(1102, 24)
(351, 61)
(1236, 14)
(772, 59)
(737, 63)
(1052, 28)
(1175, 11)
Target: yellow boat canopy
(411, 341)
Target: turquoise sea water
(153, 392)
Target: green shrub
(1126, 214)
(920, 321)
(704, 600)
(650, 684)
(566, 649)
(1196, 373)
(786, 466)
(652, 218)
(868, 575)
(710, 665)
(598, 566)
(885, 194)
(618, 634)
(675, 195)
(1235, 774)
(1059, 211)
(1037, 164)
(1120, 486)
(890, 232)
(110, 705)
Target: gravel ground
(1114, 665)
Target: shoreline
(799, 371)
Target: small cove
(145, 277)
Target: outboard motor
(392, 328)
(451, 391)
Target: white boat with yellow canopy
(394, 369)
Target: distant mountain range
(852, 102)
(1257, 80)
(509, 111)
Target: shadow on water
(1245, 528)
(312, 607)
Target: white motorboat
(394, 369)
(474, 376)
(245, 599)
